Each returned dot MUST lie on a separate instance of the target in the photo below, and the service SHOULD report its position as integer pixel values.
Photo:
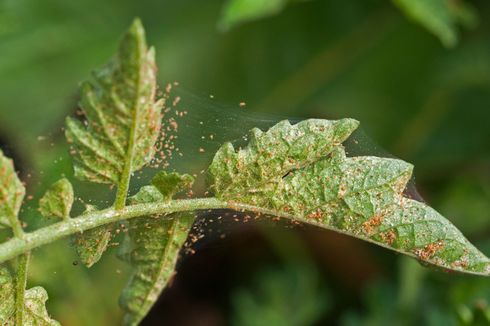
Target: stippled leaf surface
(91, 245)
(122, 118)
(168, 184)
(122, 124)
(440, 17)
(153, 247)
(58, 200)
(35, 312)
(156, 244)
(301, 172)
(12, 192)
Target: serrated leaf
(35, 312)
(91, 245)
(155, 244)
(58, 200)
(123, 122)
(301, 172)
(12, 192)
(440, 17)
(168, 184)
(123, 119)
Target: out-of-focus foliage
(416, 298)
(238, 11)
(289, 295)
(440, 17)
(326, 59)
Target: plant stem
(31, 240)
(15, 224)
(20, 284)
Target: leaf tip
(137, 28)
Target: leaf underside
(122, 124)
(301, 172)
(91, 244)
(122, 118)
(156, 244)
(152, 250)
(12, 192)
(35, 312)
(58, 200)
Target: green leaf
(240, 11)
(123, 120)
(301, 172)
(91, 245)
(35, 312)
(155, 244)
(58, 200)
(12, 193)
(440, 17)
(168, 184)
(147, 194)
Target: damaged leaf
(152, 247)
(12, 193)
(58, 200)
(91, 245)
(35, 312)
(123, 119)
(301, 172)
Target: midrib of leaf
(15, 247)
(155, 283)
(350, 195)
(21, 282)
(165, 256)
(294, 218)
(123, 185)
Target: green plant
(298, 172)
(440, 17)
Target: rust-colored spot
(388, 237)
(372, 223)
(316, 215)
(429, 250)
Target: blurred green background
(415, 73)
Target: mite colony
(165, 145)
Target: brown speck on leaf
(429, 250)
(371, 224)
(388, 237)
(176, 101)
(315, 215)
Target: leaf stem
(15, 224)
(20, 284)
(31, 240)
